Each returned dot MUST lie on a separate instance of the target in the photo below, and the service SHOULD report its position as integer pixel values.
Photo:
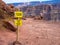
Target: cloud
(13, 1)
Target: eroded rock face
(9, 26)
(2, 4)
(5, 12)
(8, 8)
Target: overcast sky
(13, 1)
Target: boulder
(9, 25)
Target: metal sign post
(18, 22)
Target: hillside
(6, 14)
(6, 10)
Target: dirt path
(34, 32)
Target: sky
(16, 1)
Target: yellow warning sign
(18, 22)
(18, 14)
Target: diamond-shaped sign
(18, 22)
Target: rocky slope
(6, 10)
(6, 13)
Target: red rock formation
(10, 8)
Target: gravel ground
(33, 32)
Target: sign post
(18, 22)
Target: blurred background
(45, 9)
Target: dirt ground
(33, 32)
